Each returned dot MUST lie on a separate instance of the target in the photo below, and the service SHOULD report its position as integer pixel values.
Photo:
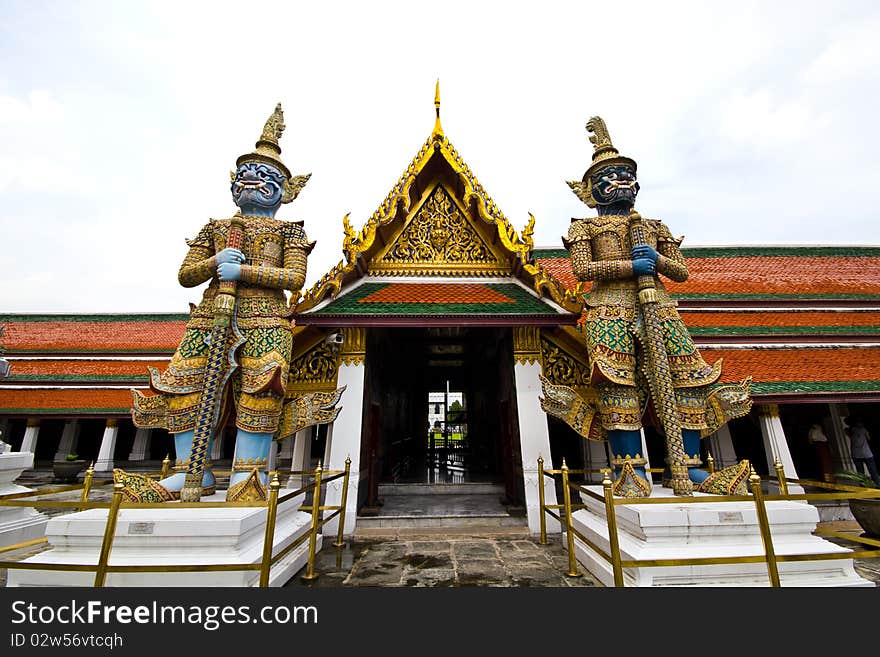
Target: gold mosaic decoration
(250, 489)
(561, 368)
(142, 490)
(726, 403)
(526, 344)
(577, 412)
(316, 369)
(354, 347)
(438, 237)
(302, 411)
(630, 484)
(732, 480)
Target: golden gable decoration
(436, 238)
(360, 247)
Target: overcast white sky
(752, 122)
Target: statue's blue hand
(645, 251)
(230, 255)
(643, 267)
(229, 271)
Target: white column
(141, 445)
(776, 446)
(67, 444)
(534, 440)
(272, 461)
(108, 446)
(595, 458)
(217, 447)
(721, 448)
(839, 440)
(647, 458)
(301, 457)
(328, 452)
(287, 449)
(31, 433)
(345, 442)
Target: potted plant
(67, 470)
(866, 511)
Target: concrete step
(462, 507)
(441, 489)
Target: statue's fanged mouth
(249, 184)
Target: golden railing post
(109, 531)
(269, 539)
(566, 495)
(87, 486)
(166, 464)
(339, 542)
(313, 536)
(780, 476)
(541, 499)
(614, 543)
(764, 525)
(710, 463)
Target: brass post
(764, 525)
(566, 494)
(613, 541)
(780, 476)
(339, 542)
(313, 535)
(109, 531)
(166, 464)
(541, 499)
(710, 463)
(269, 539)
(87, 487)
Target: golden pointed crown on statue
(604, 153)
(267, 149)
(268, 152)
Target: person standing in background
(861, 450)
(817, 438)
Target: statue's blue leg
(249, 445)
(692, 448)
(182, 448)
(623, 442)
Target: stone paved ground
(467, 560)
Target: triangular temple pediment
(438, 220)
(438, 237)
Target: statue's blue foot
(175, 482)
(248, 480)
(183, 451)
(630, 477)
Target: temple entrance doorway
(440, 415)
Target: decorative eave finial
(438, 129)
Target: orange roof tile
(782, 275)
(771, 365)
(24, 368)
(436, 293)
(66, 399)
(781, 318)
(91, 336)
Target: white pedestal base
(18, 524)
(175, 536)
(725, 529)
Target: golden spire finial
(438, 129)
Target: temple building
(439, 321)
